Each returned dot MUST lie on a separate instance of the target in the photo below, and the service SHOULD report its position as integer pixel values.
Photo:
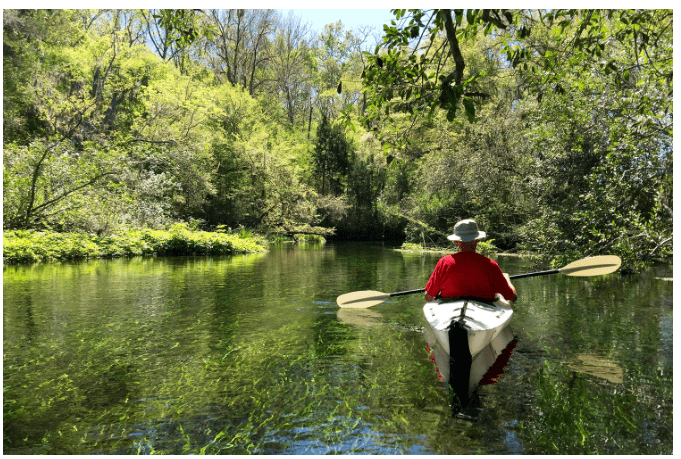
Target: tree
(46, 185)
(170, 31)
(605, 167)
(337, 59)
(417, 73)
(242, 45)
(330, 157)
(291, 64)
(28, 39)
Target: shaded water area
(250, 353)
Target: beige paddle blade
(593, 266)
(361, 299)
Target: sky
(351, 18)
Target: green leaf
(458, 13)
(470, 109)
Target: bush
(33, 246)
(486, 248)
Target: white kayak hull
(466, 347)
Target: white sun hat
(466, 230)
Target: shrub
(33, 246)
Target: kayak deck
(477, 339)
(483, 321)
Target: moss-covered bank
(486, 248)
(32, 246)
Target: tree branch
(171, 141)
(493, 20)
(71, 191)
(34, 180)
(460, 64)
(660, 245)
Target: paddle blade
(361, 299)
(593, 266)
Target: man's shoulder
(479, 258)
(447, 259)
(489, 260)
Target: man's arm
(513, 297)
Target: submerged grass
(35, 246)
(575, 416)
(124, 396)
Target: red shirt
(468, 274)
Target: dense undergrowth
(486, 248)
(34, 246)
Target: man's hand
(499, 300)
(508, 279)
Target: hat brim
(468, 237)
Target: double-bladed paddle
(592, 266)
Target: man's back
(468, 274)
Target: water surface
(250, 353)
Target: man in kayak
(467, 273)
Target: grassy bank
(486, 248)
(32, 246)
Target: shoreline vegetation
(31, 246)
(27, 246)
(559, 143)
(486, 248)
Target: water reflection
(362, 318)
(250, 354)
(598, 366)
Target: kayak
(465, 336)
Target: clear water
(250, 354)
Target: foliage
(131, 119)
(423, 65)
(486, 248)
(411, 247)
(183, 26)
(50, 184)
(28, 37)
(331, 157)
(603, 180)
(32, 246)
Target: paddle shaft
(515, 276)
(408, 292)
(538, 273)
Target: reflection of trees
(247, 354)
(593, 315)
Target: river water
(250, 354)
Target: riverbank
(486, 248)
(36, 246)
